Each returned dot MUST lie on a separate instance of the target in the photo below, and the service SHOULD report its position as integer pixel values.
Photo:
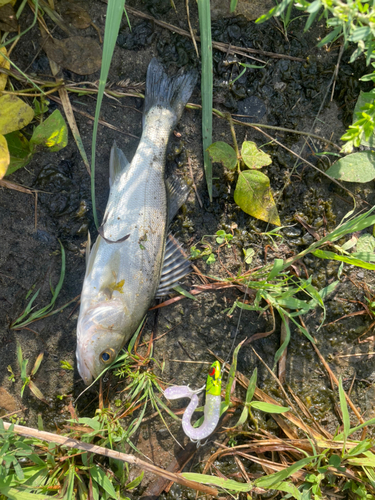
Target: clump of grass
(28, 316)
(27, 379)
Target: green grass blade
(284, 345)
(345, 413)
(232, 374)
(115, 9)
(252, 386)
(206, 86)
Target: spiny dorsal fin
(177, 191)
(175, 267)
(88, 248)
(117, 163)
(92, 254)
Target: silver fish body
(125, 264)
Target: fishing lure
(211, 407)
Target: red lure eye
(212, 372)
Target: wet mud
(285, 93)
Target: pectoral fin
(175, 267)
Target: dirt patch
(289, 94)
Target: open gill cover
(175, 267)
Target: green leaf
(335, 461)
(210, 259)
(344, 410)
(243, 417)
(221, 152)
(232, 374)
(356, 167)
(184, 292)
(284, 345)
(65, 365)
(364, 99)
(289, 488)
(268, 407)
(253, 195)
(324, 254)
(276, 269)
(277, 477)
(252, 386)
(253, 157)
(361, 447)
(366, 243)
(366, 256)
(52, 133)
(228, 484)
(249, 254)
(368, 460)
(233, 5)
(133, 484)
(19, 151)
(99, 476)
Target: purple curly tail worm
(211, 411)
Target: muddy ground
(284, 93)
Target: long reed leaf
(206, 86)
(115, 9)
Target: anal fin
(175, 267)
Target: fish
(134, 259)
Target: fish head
(100, 337)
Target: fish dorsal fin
(175, 267)
(92, 254)
(88, 248)
(178, 191)
(117, 163)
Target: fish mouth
(84, 371)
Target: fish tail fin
(172, 93)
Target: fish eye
(107, 356)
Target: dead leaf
(14, 114)
(4, 156)
(75, 14)
(7, 401)
(8, 20)
(79, 54)
(4, 63)
(5, 2)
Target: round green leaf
(254, 157)
(253, 195)
(356, 167)
(52, 133)
(19, 151)
(221, 152)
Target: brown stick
(99, 450)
